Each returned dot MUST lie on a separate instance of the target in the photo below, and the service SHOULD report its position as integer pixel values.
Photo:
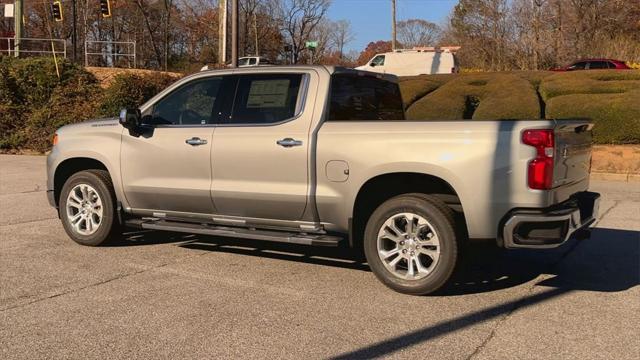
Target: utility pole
(234, 33)
(74, 37)
(393, 25)
(255, 32)
(17, 19)
(222, 32)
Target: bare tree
(342, 35)
(418, 32)
(298, 19)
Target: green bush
(479, 96)
(610, 98)
(34, 102)
(132, 90)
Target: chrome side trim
(286, 225)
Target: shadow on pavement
(609, 261)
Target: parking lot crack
(531, 288)
(70, 291)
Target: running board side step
(228, 231)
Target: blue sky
(371, 19)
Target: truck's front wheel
(87, 207)
(410, 243)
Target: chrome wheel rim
(84, 209)
(408, 246)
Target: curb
(629, 177)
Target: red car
(595, 64)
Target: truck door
(168, 167)
(261, 148)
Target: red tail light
(540, 172)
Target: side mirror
(130, 119)
(372, 64)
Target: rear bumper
(550, 227)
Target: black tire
(109, 227)
(441, 218)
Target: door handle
(195, 141)
(289, 142)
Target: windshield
(378, 60)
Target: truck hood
(108, 124)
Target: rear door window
(357, 98)
(266, 99)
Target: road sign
(311, 44)
(8, 10)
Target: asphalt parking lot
(158, 295)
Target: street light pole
(234, 33)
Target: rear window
(356, 98)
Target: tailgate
(572, 152)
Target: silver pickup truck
(323, 156)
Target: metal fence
(32, 46)
(110, 53)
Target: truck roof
(329, 68)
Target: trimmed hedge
(610, 98)
(131, 90)
(479, 97)
(34, 102)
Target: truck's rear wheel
(410, 243)
(87, 207)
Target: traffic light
(105, 8)
(56, 9)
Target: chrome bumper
(552, 227)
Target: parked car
(595, 64)
(322, 156)
(412, 62)
(246, 62)
(253, 61)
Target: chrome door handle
(195, 141)
(289, 142)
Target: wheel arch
(382, 187)
(70, 166)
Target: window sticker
(268, 93)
